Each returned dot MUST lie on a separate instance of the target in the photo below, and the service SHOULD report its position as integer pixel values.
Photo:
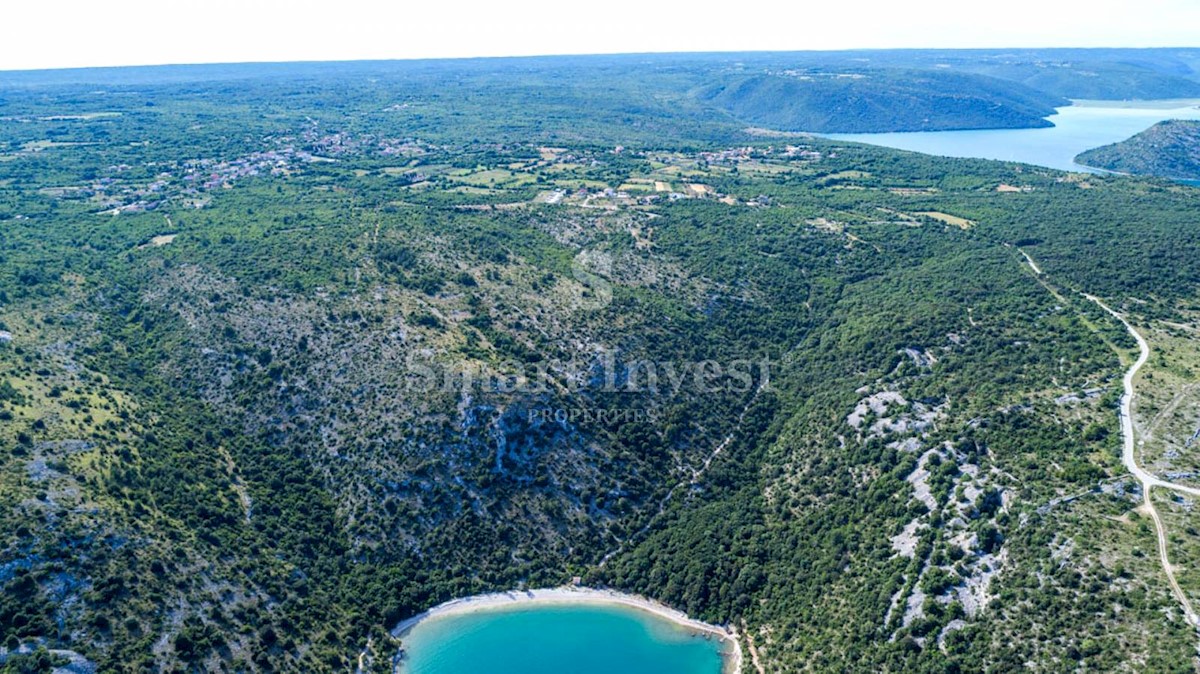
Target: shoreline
(731, 653)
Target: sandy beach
(732, 654)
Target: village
(553, 176)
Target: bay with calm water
(1076, 128)
(557, 639)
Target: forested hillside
(1169, 149)
(1104, 74)
(864, 100)
(288, 356)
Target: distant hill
(1099, 81)
(1105, 74)
(1169, 149)
(880, 100)
(1120, 74)
(847, 91)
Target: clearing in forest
(961, 223)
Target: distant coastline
(731, 655)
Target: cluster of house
(191, 178)
(730, 156)
(801, 152)
(404, 147)
(188, 179)
(210, 174)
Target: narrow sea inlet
(1080, 127)
(562, 630)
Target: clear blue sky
(49, 34)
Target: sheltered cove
(731, 654)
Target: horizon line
(501, 57)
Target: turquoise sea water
(558, 639)
(1077, 128)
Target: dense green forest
(866, 100)
(278, 342)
